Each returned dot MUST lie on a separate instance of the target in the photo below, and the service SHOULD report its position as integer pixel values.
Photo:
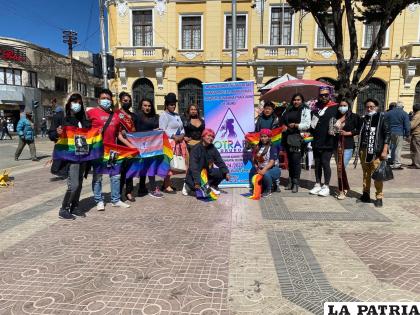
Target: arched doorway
(190, 91)
(417, 94)
(376, 89)
(142, 88)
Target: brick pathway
(283, 255)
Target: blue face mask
(75, 107)
(343, 109)
(105, 103)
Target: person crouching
(265, 163)
(205, 156)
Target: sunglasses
(324, 95)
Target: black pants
(152, 182)
(215, 177)
(294, 159)
(74, 186)
(322, 163)
(127, 182)
(5, 132)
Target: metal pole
(71, 63)
(262, 22)
(233, 40)
(103, 48)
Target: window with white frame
(371, 30)
(191, 32)
(142, 28)
(281, 25)
(321, 41)
(10, 76)
(241, 31)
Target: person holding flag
(204, 156)
(297, 119)
(74, 117)
(265, 163)
(128, 121)
(104, 118)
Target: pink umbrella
(284, 91)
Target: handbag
(178, 164)
(383, 172)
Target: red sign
(17, 54)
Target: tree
(382, 12)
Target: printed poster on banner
(229, 111)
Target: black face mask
(126, 106)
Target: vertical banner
(229, 111)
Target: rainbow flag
(78, 145)
(205, 193)
(254, 137)
(153, 165)
(257, 184)
(113, 157)
(307, 137)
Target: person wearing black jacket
(374, 139)
(267, 119)
(323, 144)
(75, 116)
(148, 120)
(204, 156)
(193, 126)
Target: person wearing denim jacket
(25, 131)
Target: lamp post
(103, 48)
(70, 38)
(233, 40)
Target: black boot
(295, 188)
(289, 185)
(378, 203)
(365, 197)
(64, 213)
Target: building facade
(166, 46)
(31, 76)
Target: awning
(10, 94)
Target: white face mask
(343, 109)
(371, 113)
(75, 107)
(105, 103)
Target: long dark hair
(296, 95)
(349, 105)
(153, 111)
(187, 112)
(75, 97)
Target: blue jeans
(348, 153)
(270, 177)
(97, 188)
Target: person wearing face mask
(74, 116)
(323, 143)
(347, 126)
(297, 118)
(25, 131)
(374, 138)
(104, 118)
(128, 121)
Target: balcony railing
(280, 52)
(411, 50)
(141, 53)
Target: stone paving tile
(392, 258)
(122, 260)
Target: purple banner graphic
(229, 111)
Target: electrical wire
(88, 25)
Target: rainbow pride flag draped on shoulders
(155, 154)
(113, 157)
(78, 145)
(253, 138)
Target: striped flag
(149, 143)
(113, 157)
(204, 192)
(78, 145)
(257, 184)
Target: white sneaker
(120, 204)
(215, 191)
(325, 191)
(315, 190)
(100, 206)
(185, 189)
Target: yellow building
(173, 46)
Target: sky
(42, 21)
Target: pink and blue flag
(149, 143)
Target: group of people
(4, 124)
(187, 135)
(333, 128)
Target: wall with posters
(229, 111)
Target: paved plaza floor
(285, 254)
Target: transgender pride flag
(149, 143)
